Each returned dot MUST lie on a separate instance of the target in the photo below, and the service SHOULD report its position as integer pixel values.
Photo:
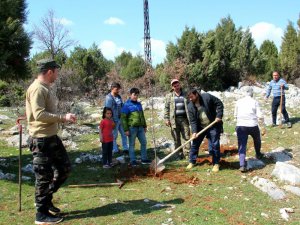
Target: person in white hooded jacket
(248, 115)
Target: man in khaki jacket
(51, 163)
(176, 116)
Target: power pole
(147, 39)
(149, 75)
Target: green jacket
(132, 115)
(169, 112)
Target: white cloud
(266, 31)
(63, 21)
(110, 50)
(114, 21)
(158, 50)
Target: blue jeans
(119, 128)
(137, 132)
(213, 136)
(242, 135)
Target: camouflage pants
(51, 166)
(181, 129)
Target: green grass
(224, 198)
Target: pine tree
(288, 54)
(269, 55)
(14, 41)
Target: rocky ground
(280, 170)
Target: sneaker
(273, 125)
(243, 169)
(260, 156)
(216, 168)
(289, 124)
(133, 163)
(106, 166)
(54, 210)
(112, 164)
(146, 162)
(190, 166)
(47, 218)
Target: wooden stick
(20, 160)
(280, 115)
(119, 183)
(187, 142)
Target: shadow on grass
(81, 173)
(137, 207)
(235, 165)
(224, 164)
(294, 120)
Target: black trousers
(107, 153)
(275, 105)
(51, 166)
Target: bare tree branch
(52, 35)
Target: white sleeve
(258, 111)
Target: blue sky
(117, 25)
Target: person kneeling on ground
(247, 113)
(134, 124)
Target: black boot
(47, 218)
(259, 155)
(54, 210)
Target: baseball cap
(174, 81)
(46, 64)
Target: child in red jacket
(106, 137)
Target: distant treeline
(214, 60)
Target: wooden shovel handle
(180, 147)
(281, 99)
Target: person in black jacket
(204, 109)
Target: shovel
(20, 159)
(157, 164)
(280, 115)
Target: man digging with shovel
(204, 109)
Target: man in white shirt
(247, 113)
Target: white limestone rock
(268, 187)
(287, 172)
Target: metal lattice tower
(147, 39)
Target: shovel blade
(156, 166)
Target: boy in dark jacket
(134, 124)
(204, 109)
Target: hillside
(267, 194)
